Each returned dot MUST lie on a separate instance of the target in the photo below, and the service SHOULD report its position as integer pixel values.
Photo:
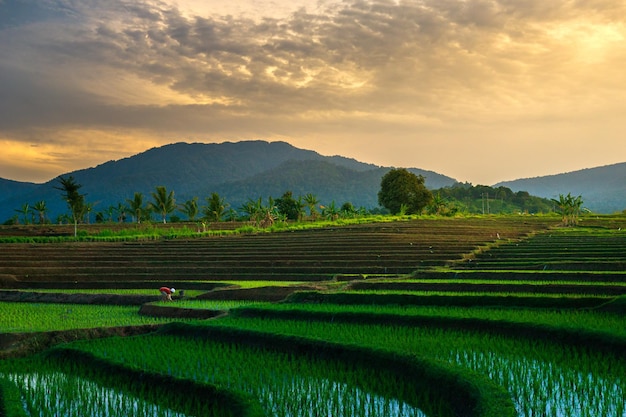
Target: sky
(480, 90)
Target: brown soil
(63, 298)
(179, 313)
(23, 344)
(269, 293)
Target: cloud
(341, 67)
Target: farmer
(167, 293)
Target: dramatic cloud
(529, 86)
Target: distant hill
(603, 189)
(237, 171)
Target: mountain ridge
(197, 169)
(603, 188)
(240, 171)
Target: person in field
(167, 292)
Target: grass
(210, 304)
(114, 291)
(613, 324)
(544, 378)
(541, 377)
(29, 317)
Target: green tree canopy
(164, 202)
(569, 207)
(401, 189)
(136, 206)
(289, 206)
(215, 208)
(75, 200)
(190, 208)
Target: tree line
(401, 192)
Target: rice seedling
(30, 317)
(543, 379)
(52, 394)
(597, 321)
(210, 304)
(285, 384)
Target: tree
(330, 212)
(136, 206)
(121, 210)
(25, 211)
(261, 215)
(569, 207)
(347, 209)
(75, 200)
(164, 202)
(215, 208)
(190, 208)
(399, 188)
(41, 209)
(289, 207)
(311, 202)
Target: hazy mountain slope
(326, 180)
(603, 189)
(239, 171)
(10, 188)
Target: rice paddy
(519, 316)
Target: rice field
(521, 317)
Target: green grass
(210, 304)
(542, 378)
(113, 291)
(260, 283)
(29, 317)
(614, 324)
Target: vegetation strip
(63, 298)
(543, 288)
(468, 394)
(347, 298)
(24, 344)
(10, 399)
(189, 397)
(579, 338)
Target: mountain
(237, 171)
(603, 189)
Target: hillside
(603, 189)
(238, 171)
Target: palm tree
(569, 207)
(311, 202)
(331, 212)
(215, 208)
(75, 200)
(24, 211)
(190, 208)
(164, 202)
(41, 209)
(136, 206)
(121, 210)
(262, 216)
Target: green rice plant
(209, 304)
(116, 291)
(30, 317)
(590, 320)
(287, 384)
(68, 382)
(59, 394)
(542, 378)
(10, 399)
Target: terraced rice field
(484, 317)
(307, 255)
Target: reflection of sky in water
(61, 394)
(541, 388)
